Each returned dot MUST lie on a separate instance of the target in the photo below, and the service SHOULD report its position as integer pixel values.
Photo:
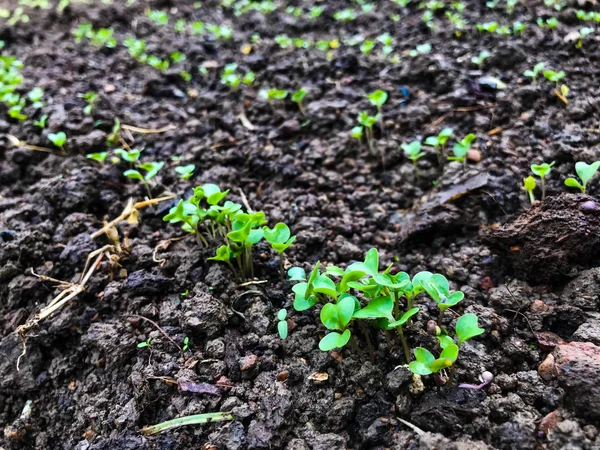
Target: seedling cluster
(388, 304)
(227, 226)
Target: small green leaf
(302, 302)
(586, 171)
(322, 284)
(186, 171)
(572, 182)
(281, 314)
(133, 174)
(334, 340)
(467, 328)
(223, 253)
(439, 364)
(378, 98)
(445, 340)
(542, 170)
(282, 329)
(57, 139)
(529, 183)
(378, 308)
(297, 274)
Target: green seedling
(467, 328)
(177, 57)
(151, 169)
(387, 41)
(439, 142)
(220, 32)
(378, 99)
(249, 78)
(413, 152)
(282, 325)
(296, 274)
(283, 40)
(357, 132)
(58, 139)
(35, 96)
(336, 317)
(131, 156)
(583, 32)
(529, 184)
(197, 28)
(438, 288)
(315, 12)
(489, 27)
(41, 122)
(422, 49)
(146, 344)
(158, 17)
(298, 97)
(368, 122)
(542, 171)
(553, 76)
(478, 60)
(535, 71)
(345, 15)
(367, 47)
(136, 48)
(185, 172)
(90, 98)
(518, 27)
(273, 94)
(100, 156)
(426, 363)
(461, 149)
(585, 172)
(280, 239)
(186, 344)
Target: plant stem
(196, 419)
(147, 189)
(357, 349)
(281, 271)
(543, 188)
(404, 344)
(396, 305)
(389, 342)
(531, 197)
(440, 317)
(365, 331)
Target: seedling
(273, 94)
(414, 153)
(535, 71)
(467, 328)
(41, 122)
(422, 49)
(583, 32)
(151, 169)
(35, 95)
(177, 57)
(345, 15)
(490, 27)
(529, 184)
(438, 289)
(282, 325)
(542, 171)
(367, 47)
(478, 60)
(368, 121)
(58, 139)
(90, 98)
(461, 149)
(378, 99)
(298, 97)
(357, 132)
(158, 17)
(186, 344)
(185, 172)
(280, 239)
(585, 172)
(439, 142)
(519, 27)
(146, 344)
(100, 156)
(553, 76)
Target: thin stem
(440, 317)
(404, 344)
(531, 197)
(365, 331)
(396, 304)
(281, 271)
(235, 276)
(543, 188)
(196, 419)
(357, 349)
(147, 189)
(388, 340)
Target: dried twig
(159, 329)
(148, 130)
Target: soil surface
(84, 384)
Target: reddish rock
(578, 370)
(248, 362)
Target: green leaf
(282, 329)
(334, 271)
(281, 314)
(418, 280)
(378, 308)
(423, 362)
(336, 316)
(572, 182)
(241, 234)
(255, 236)
(297, 274)
(176, 214)
(58, 139)
(299, 95)
(134, 174)
(186, 171)
(467, 328)
(529, 183)
(322, 284)
(398, 323)
(541, 170)
(152, 169)
(419, 368)
(439, 364)
(452, 300)
(378, 98)
(450, 352)
(223, 254)
(302, 302)
(100, 156)
(279, 234)
(445, 340)
(334, 340)
(586, 171)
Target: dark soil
(89, 385)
